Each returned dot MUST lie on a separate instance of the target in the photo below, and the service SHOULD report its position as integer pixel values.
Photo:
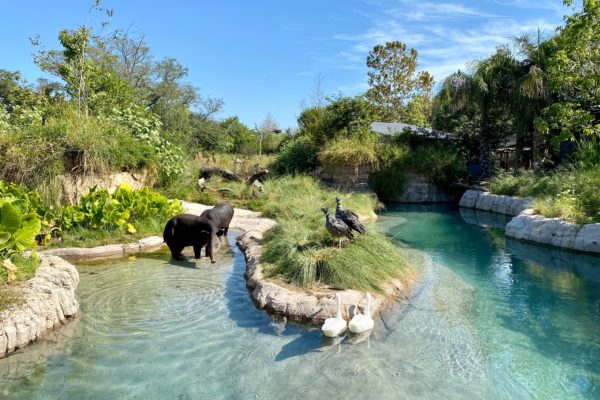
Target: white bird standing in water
(335, 326)
(362, 322)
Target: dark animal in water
(186, 230)
(198, 231)
(348, 217)
(336, 227)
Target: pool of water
(490, 318)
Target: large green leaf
(31, 221)
(4, 237)
(4, 240)
(24, 238)
(10, 219)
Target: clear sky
(266, 56)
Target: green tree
(531, 93)
(490, 88)
(94, 86)
(574, 68)
(394, 81)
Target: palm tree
(489, 87)
(531, 94)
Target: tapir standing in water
(198, 231)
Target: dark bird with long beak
(348, 217)
(336, 227)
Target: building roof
(396, 128)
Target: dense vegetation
(544, 92)
(115, 108)
(26, 222)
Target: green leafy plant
(19, 229)
(99, 210)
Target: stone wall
(144, 245)
(47, 300)
(534, 228)
(555, 232)
(346, 178)
(76, 185)
(418, 190)
(496, 203)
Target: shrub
(99, 210)
(350, 152)
(437, 163)
(145, 127)
(297, 156)
(567, 192)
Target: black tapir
(198, 231)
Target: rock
(48, 299)
(76, 185)
(469, 198)
(555, 232)
(496, 203)
(588, 239)
(418, 190)
(300, 305)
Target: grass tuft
(299, 249)
(567, 192)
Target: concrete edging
(500, 204)
(48, 301)
(151, 243)
(535, 228)
(555, 232)
(304, 306)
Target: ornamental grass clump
(300, 251)
(350, 151)
(567, 192)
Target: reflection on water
(489, 319)
(484, 219)
(537, 309)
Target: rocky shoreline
(535, 228)
(48, 300)
(308, 306)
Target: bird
(362, 322)
(349, 217)
(335, 326)
(336, 227)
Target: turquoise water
(491, 318)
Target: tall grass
(34, 155)
(568, 192)
(299, 248)
(301, 197)
(350, 151)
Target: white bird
(335, 326)
(362, 322)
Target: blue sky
(265, 57)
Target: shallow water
(491, 318)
